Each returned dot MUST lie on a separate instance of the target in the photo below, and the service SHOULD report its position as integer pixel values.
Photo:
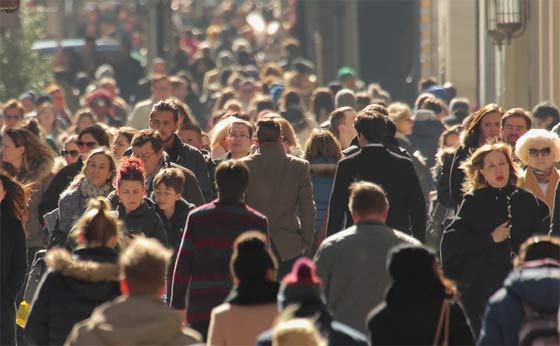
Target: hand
(501, 233)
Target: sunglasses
(73, 153)
(544, 152)
(90, 145)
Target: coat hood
(431, 127)
(86, 267)
(538, 287)
(138, 321)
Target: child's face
(131, 193)
(165, 196)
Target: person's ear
(124, 287)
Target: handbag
(444, 315)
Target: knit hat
(411, 263)
(301, 286)
(104, 70)
(345, 98)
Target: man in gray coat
(351, 263)
(280, 188)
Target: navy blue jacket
(538, 287)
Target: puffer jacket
(536, 286)
(71, 289)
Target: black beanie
(411, 263)
(251, 260)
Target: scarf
(88, 190)
(543, 177)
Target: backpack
(538, 327)
(36, 272)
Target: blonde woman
(493, 220)
(539, 150)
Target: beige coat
(240, 324)
(529, 182)
(280, 188)
(132, 320)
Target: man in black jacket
(164, 118)
(374, 163)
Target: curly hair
(475, 163)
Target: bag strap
(443, 317)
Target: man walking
(280, 188)
(374, 163)
(202, 275)
(352, 262)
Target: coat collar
(532, 185)
(86, 269)
(272, 148)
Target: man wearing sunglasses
(90, 138)
(164, 118)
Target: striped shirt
(202, 264)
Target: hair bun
(99, 203)
(252, 246)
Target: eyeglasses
(90, 145)
(145, 157)
(73, 153)
(544, 152)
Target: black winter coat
(175, 226)
(555, 222)
(410, 314)
(71, 289)
(469, 254)
(13, 267)
(57, 186)
(395, 173)
(189, 157)
(144, 220)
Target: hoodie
(133, 320)
(426, 131)
(538, 287)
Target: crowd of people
(266, 209)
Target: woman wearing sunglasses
(90, 138)
(539, 150)
(71, 151)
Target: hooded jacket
(71, 289)
(133, 320)
(425, 135)
(537, 287)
